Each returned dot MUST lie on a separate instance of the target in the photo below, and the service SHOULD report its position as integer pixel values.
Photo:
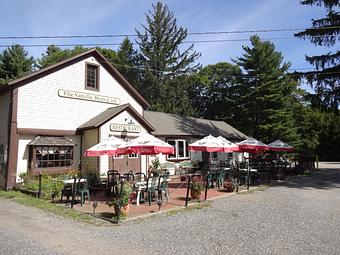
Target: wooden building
(50, 117)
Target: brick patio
(177, 191)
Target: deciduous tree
(55, 54)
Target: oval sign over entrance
(125, 127)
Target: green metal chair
(67, 190)
(151, 187)
(209, 177)
(163, 185)
(83, 191)
(94, 182)
(220, 175)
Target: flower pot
(195, 194)
(124, 210)
(228, 185)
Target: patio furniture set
(144, 188)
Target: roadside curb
(190, 205)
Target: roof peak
(69, 61)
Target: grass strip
(46, 206)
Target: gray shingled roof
(109, 113)
(174, 124)
(103, 117)
(51, 141)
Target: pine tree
(128, 63)
(325, 32)
(163, 62)
(14, 63)
(265, 101)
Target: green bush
(126, 193)
(50, 186)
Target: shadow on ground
(317, 179)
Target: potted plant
(228, 185)
(156, 169)
(123, 203)
(196, 187)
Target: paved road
(298, 217)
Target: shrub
(50, 186)
(126, 193)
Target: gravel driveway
(301, 216)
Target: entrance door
(125, 163)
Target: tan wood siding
(90, 138)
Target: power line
(315, 73)
(116, 44)
(190, 33)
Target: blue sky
(80, 17)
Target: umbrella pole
(146, 165)
(248, 176)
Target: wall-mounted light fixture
(129, 120)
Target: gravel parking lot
(301, 216)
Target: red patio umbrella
(278, 145)
(207, 144)
(228, 146)
(107, 147)
(252, 145)
(146, 144)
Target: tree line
(255, 92)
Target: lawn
(46, 206)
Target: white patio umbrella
(228, 146)
(107, 147)
(278, 145)
(146, 144)
(207, 144)
(252, 145)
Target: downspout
(8, 137)
(13, 138)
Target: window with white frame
(213, 157)
(52, 156)
(181, 149)
(133, 155)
